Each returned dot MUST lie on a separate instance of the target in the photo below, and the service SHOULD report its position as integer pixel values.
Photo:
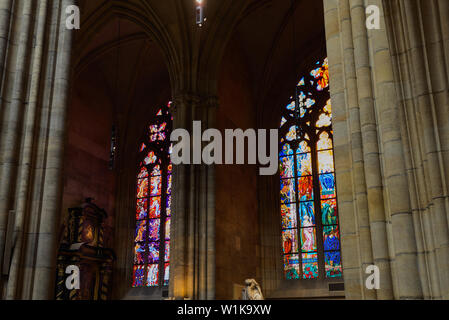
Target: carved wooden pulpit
(82, 249)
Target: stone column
(418, 33)
(34, 95)
(389, 90)
(192, 273)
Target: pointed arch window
(310, 230)
(153, 204)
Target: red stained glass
(138, 276)
(156, 171)
(305, 188)
(151, 158)
(141, 209)
(142, 188)
(155, 188)
(290, 241)
(148, 261)
(155, 207)
(143, 173)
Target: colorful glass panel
(308, 239)
(289, 240)
(291, 266)
(142, 188)
(327, 186)
(153, 205)
(153, 252)
(307, 214)
(310, 265)
(304, 164)
(307, 187)
(153, 275)
(141, 209)
(331, 238)
(288, 214)
(287, 165)
(288, 194)
(333, 264)
(329, 212)
(138, 276)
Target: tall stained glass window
(153, 204)
(310, 231)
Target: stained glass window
(309, 220)
(153, 204)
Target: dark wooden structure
(82, 247)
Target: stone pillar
(192, 273)
(389, 90)
(36, 67)
(418, 34)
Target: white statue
(252, 290)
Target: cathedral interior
(86, 177)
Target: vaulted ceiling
(141, 52)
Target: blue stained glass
(307, 214)
(300, 198)
(153, 254)
(138, 276)
(285, 150)
(304, 164)
(329, 212)
(331, 238)
(332, 261)
(288, 191)
(327, 183)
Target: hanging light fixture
(199, 10)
